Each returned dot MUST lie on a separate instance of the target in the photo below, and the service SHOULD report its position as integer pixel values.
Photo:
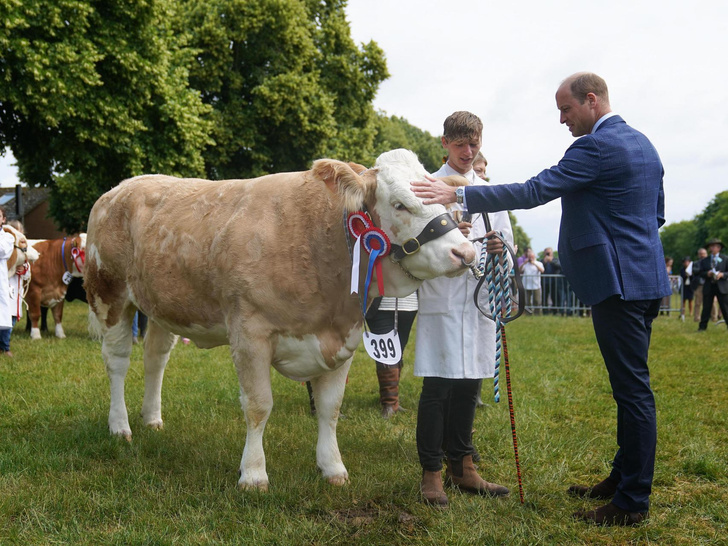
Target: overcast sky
(664, 62)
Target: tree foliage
(684, 238)
(93, 92)
(286, 83)
(396, 132)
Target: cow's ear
(342, 180)
(455, 180)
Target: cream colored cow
(262, 265)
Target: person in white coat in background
(7, 245)
(455, 343)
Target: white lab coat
(7, 244)
(454, 340)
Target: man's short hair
(462, 126)
(587, 82)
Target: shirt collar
(601, 120)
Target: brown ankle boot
(431, 489)
(463, 475)
(388, 377)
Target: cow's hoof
(338, 480)
(157, 424)
(257, 486)
(124, 434)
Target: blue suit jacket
(612, 201)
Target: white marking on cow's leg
(116, 349)
(35, 333)
(328, 392)
(158, 344)
(59, 331)
(252, 362)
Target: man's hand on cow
(494, 244)
(432, 191)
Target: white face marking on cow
(403, 216)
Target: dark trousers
(446, 413)
(623, 330)
(710, 291)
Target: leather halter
(435, 228)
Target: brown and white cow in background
(60, 261)
(262, 265)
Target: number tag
(384, 348)
(67, 278)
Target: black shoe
(610, 514)
(603, 490)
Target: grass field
(65, 480)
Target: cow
(262, 265)
(22, 253)
(61, 260)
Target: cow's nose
(465, 253)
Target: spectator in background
(552, 287)
(714, 269)
(531, 270)
(523, 257)
(686, 274)
(665, 304)
(698, 283)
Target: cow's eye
(400, 207)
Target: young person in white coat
(7, 245)
(455, 343)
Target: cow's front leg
(158, 344)
(116, 350)
(252, 362)
(58, 319)
(328, 393)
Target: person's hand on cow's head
(432, 191)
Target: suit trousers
(445, 414)
(623, 330)
(711, 292)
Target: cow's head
(22, 253)
(385, 193)
(76, 246)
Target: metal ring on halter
(519, 284)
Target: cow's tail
(95, 328)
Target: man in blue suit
(612, 200)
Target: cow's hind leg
(328, 392)
(116, 350)
(158, 344)
(252, 363)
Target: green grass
(65, 480)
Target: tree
(520, 237)
(395, 132)
(94, 92)
(286, 83)
(680, 239)
(713, 221)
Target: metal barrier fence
(555, 297)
